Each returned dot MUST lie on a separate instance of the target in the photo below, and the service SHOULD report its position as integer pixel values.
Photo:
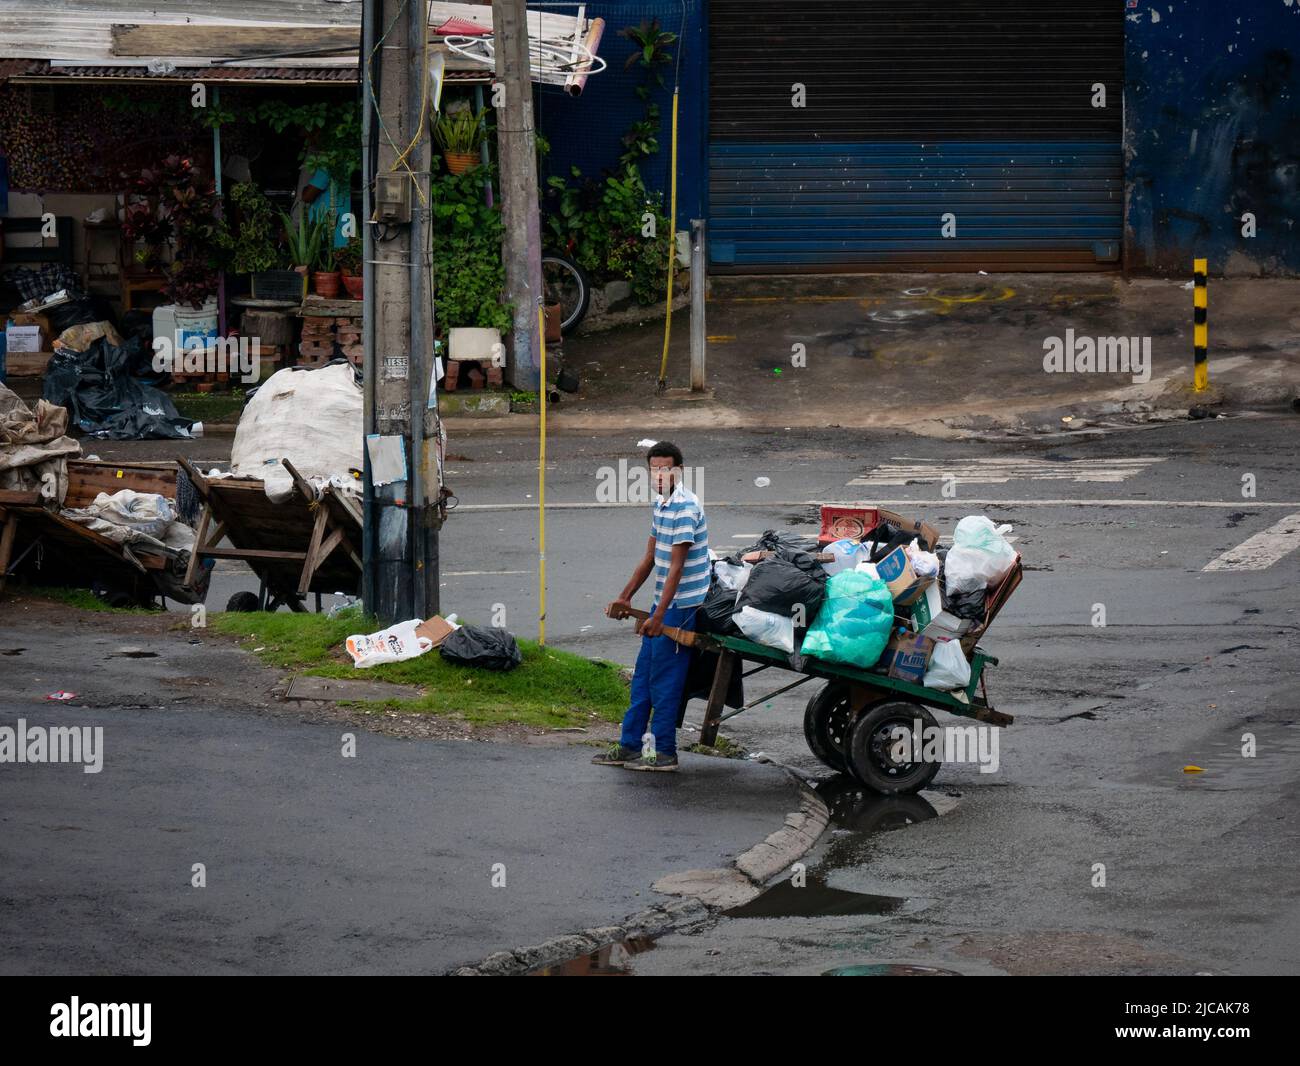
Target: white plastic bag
(980, 555)
(731, 576)
(390, 645)
(869, 569)
(848, 554)
(948, 667)
(764, 627)
(924, 564)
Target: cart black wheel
(826, 723)
(872, 739)
(242, 601)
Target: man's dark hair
(665, 450)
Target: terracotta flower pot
(355, 285)
(459, 162)
(326, 283)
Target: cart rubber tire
(826, 722)
(868, 741)
(242, 601)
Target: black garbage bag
(104, 399)
(78, 311)
(772, 539)
(490, 647)
(714, 615)
(778, 583)
(963, 604)
(886, 537)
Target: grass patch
(550, 688)
(215, 407)
(725, 748)
(83, 599)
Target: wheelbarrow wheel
(242, 601)
(880, 748)
(826, 722)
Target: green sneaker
(662, 763)
(616, 756)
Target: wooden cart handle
(685, 637)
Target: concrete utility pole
(402, 517)
(517, 150)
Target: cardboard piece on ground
(895, 570)
(907, 656)
(437, 629)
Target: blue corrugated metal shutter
(913, 110)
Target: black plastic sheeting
(105, 399)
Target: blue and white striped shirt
(680, 520)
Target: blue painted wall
(587, 132)
(1212, 130)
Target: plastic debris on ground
(391, 645)
(488, 647)
(105, 397)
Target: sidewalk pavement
(942, 355)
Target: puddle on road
(613, 960)
(889, 969)
(856, 815)
(1225, 767)
(816, 899)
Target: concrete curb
(704, 892)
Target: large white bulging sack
(980, 555)
(390, 645)
(313, 418)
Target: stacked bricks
(473, 373)
(321, 335)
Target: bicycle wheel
(566, 283)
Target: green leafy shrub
(468, 275)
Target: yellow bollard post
(542, 399)
(1200, 327)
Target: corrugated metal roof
(44, 71)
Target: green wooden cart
(852, 722)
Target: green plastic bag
(853, 624)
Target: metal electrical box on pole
(402, 492)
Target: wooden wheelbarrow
(310, 542)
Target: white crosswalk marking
(1263, 549)
(905, 469)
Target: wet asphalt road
(1200, 869)
(413, 857)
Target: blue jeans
(657, 683)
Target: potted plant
(325, 275)
(349, 260)
(460, 134)
(304, 241)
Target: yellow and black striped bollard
(1200, 327)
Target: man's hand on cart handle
(619, 609)
(652, 626)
